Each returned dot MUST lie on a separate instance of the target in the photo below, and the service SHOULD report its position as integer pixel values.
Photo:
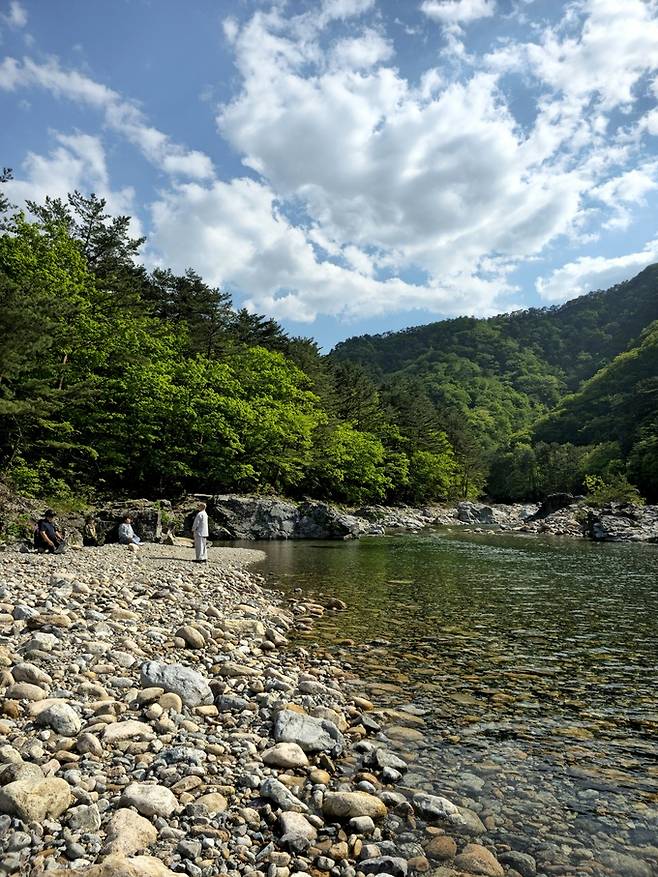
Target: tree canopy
(113, 377)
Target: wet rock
(476, 859)
(444, 812)
(523, 863)
(621, 863)
(188, 684)
(393, 865)
(441, 847)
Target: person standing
(200, 533)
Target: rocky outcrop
(617, 522)
(146, 515)
(255, 517)
(553, 503)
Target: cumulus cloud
(368, 192)
(594, 272)
(234, 234)
(437, 178)
(121, 115)
(77, 162)
(457, 11)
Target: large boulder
(189, 685)
(251, 517)
(317, 520)
(311, 734)
(625, 522)
(553, 503)
(32, 800)
(257, 517)
(471, 513)
(146, 515)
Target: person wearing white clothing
(200, 532)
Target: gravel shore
(156, 720)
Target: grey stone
(313, 735)
(189, 685)
(444, 812)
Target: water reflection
(536, 662)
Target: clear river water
(533, 663)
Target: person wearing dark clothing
(89, 534)
(47, 537)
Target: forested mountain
(114, 378)
(492, 383)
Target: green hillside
(493, 381)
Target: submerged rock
(444, 812)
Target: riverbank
(155, 721)
(234, 517)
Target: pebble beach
(157, 720)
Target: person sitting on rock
(47, 537)
(127, 535)
(89, 534)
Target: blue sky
(350, 166)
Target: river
(533, 663)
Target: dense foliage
(534, 402)
(116, 378)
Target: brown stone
(441, 847)
(476, 859)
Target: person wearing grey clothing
(126, 533)
(200, 533)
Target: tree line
(116, 378)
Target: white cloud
(361, 52)
(435, 180)
(342, 9)
(120, 115)
(232, 233)
(626, 191)
(17, 16)
(77, 162)
(457, 11)
(594, 272)
(617, 46)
